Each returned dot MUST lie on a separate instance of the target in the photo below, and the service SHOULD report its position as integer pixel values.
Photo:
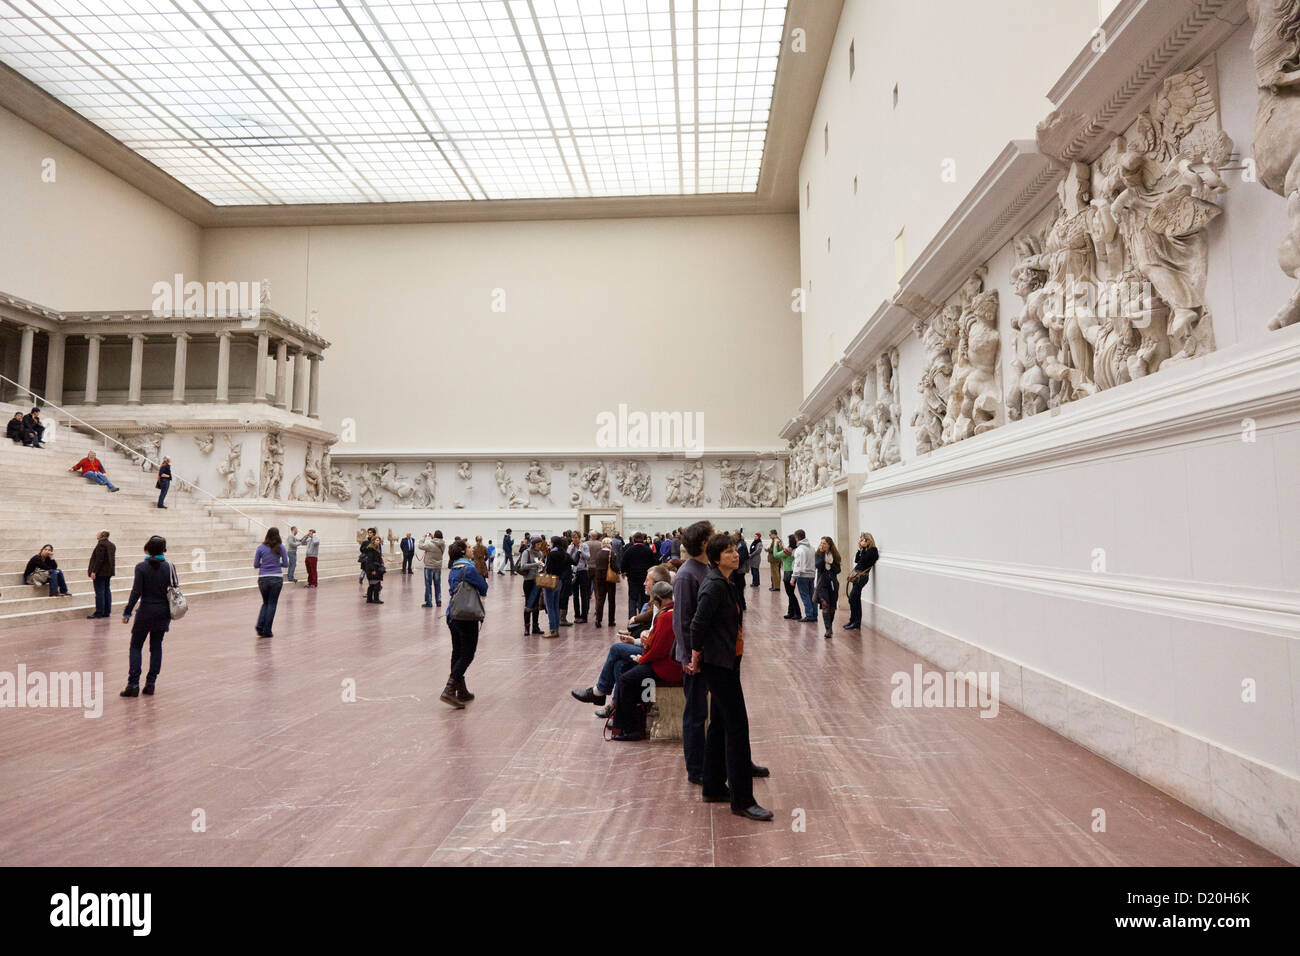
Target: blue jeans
(432, 586)
(57, 584)
(553, 607)
(99, 478)
(293, 563)
(617, 660)
(103, 597)
(270, 588)
(805, 586)
(163, 485)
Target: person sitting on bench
(93, 469)
(656, 664)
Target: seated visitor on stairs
(18, 432)
(34, 428)
(93, 469)
(43, 569)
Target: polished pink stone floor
(256, 735)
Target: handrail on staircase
(109, 439)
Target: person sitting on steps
(93, 469)
(44, 561)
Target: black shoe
(448, 696)
(579, 620)
(724, 797)
(260, 632)
(566, 624)
(698, 781)
(850, 626)
(148, 689)
(756, 771)
(588, 696)
(132, 690)
(91, 617)
(827, 635)
(437, 604)
(377, 601)
(754, 813)
(598, 623)
(267, 634)
(619, 735)
(605, 712)
(462, 692)
(426, 605)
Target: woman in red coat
(657, 664)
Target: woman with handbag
(154, 577)
(43, 569)
(164, 481)
(558, 569)
(863, 562)
(270, 561)
(466, 588)
(372, 569)
(827, 589)
(530, 564)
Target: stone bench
(664, 719)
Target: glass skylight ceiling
(332, 101)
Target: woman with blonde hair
(828, 581)
(863, 562)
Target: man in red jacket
(92, 469)
(656, 664)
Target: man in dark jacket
(638, 558)
(508, 546)
(17, 432)
(33, 427)
(102, 568)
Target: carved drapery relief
(880, 434)
(938, 336)
(686, 486)
(514, 496)
(272, 466)
(538, 479)
(146, 447)
(229, 468)
(632, 481)
(426, 487)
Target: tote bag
(466, 603)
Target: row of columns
(306, 370)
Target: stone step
(76, 574)
(64, 609)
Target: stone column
(281, 374)
(300, 382)
(25, 363)
(54, 368)
(178, 371)
(223, 368)
(137, 367)
(92, 370)
(313, 389)
(259, 383)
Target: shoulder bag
(466, 603)
(548, 581)
(175, 599)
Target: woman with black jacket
(863, 562)
(372, 566)
(153, 576)
(716, 646)
(559, 564)
(828, 580)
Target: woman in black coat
(716, 647)
(153, 576)
(863, 562)
(372, 566)
(828, 581)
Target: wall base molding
(1257, 800)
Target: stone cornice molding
(1116, 74)
(341, 454)
(125, 322)
(200, 419)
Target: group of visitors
(26, 429)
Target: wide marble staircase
(41, 502)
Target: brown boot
(462, 692)
(449, 695)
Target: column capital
(181, 336)
(33, 329)
(93, 337)
(225, 334)
(133, 336)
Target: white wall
(87, 240)
(971, 77)
(673, 314)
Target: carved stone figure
(935, 379)
(205, 444)
(369, 494)
(881, 439)
(1029, 387)
(686, 486)
(515, 497)
(465, 470)
(595, 482)
(1276, 45)
(979, 399)
(855, 410)
(340, 486)
(1157, 195)
(146, 448)
(229, 469)
(394, 483)
(310, 478)
(632, 481)
(1128, 343)
(426, 487)
(727, 483)
(538, 479)
(272, 466)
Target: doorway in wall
(604, 520)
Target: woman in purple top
(270, 561)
